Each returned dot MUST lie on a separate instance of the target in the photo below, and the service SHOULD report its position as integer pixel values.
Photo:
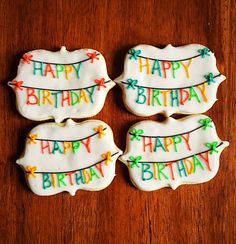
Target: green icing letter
(146, 173)
(141, 97)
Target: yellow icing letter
(147, 65)
(186, 67)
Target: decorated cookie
(61, 84)
(172, 153)
(169, 80)
(69, 156)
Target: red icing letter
(31, 94)
(184, 96)
(165, 67)
(205, 157)
(87, 144)
(187, 140)
(49, 69)
(65, 98)
(47, 146)
(70, 177)
(149, 96)
(149, 144)
(99, 167)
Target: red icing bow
(27, 58)
(100, 83)
(17, 84)
(93, 56)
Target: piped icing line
(201, 121)
(11, 83)
(35, 138)
(63, 172)
(172, 88)
(202, 52)
(27, 60)
(176, 160)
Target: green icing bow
(209, 78)
(205, 123)
(135, 161)
(204, 52)
(212, 146)
(134, 54)
(131, 83)
(136, 134)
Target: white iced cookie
(172, 153)
(169, 80)
(61, 84)
(69, 156)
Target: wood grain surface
(203, 213)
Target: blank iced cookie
(169, 80)
(61, 84)
(69, 156)
(172, 153)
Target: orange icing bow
(17, 84)
(93, 56)
(30, 170)
(26, 58)
(100, 83)
(99, 129)
(32, 138)
(107, 156)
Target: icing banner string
(71, 171)
(82, 61)
(166, 89)
(19, 86)
(81, 139)
(132, 133)
(202, 53)
(135, 161)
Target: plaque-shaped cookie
(172, 153)
(170, 80)
(61, 84)
(69, 156)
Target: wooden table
(203, 213)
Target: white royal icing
(61, 84)
(169, 160)
(69, 156)
(155, 81)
